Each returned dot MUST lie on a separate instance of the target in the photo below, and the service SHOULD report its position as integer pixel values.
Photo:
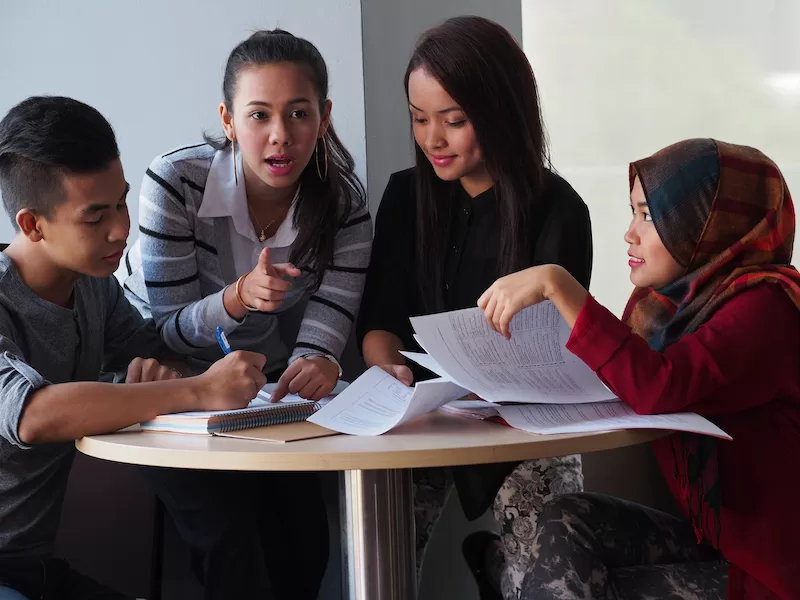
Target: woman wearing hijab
(713, 327)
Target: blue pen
(223, 341)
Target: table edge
(344, 461)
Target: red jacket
(742, 369)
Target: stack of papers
(472, 409)
(532, 382)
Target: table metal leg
(378, 545)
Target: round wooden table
(377, 484)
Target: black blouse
(562, 235)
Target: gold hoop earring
(316, 159)
(235, 170)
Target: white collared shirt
(224, 198)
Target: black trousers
(51, 579)
(251, 534)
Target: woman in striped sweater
(278, 191)
(234, 232)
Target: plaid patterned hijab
(723, 212)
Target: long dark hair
(324, 204)
(483, 68)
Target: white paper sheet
(376, 402)
(473, 409)
(533, 367)
(427, 361)
(600, 416)
(270, 387)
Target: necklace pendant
(262, 237)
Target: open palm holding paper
(510, 294)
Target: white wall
(154, 69)
(621, 79)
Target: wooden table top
(433, 440)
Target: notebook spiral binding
(273, 415)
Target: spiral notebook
(259, 413)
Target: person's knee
(566, 504)
(566, 514)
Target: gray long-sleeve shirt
(40, 344)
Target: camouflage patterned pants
(518, 502)
(591, 546)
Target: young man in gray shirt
(64, 325)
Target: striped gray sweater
(178, 269)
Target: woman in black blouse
(480, 203)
